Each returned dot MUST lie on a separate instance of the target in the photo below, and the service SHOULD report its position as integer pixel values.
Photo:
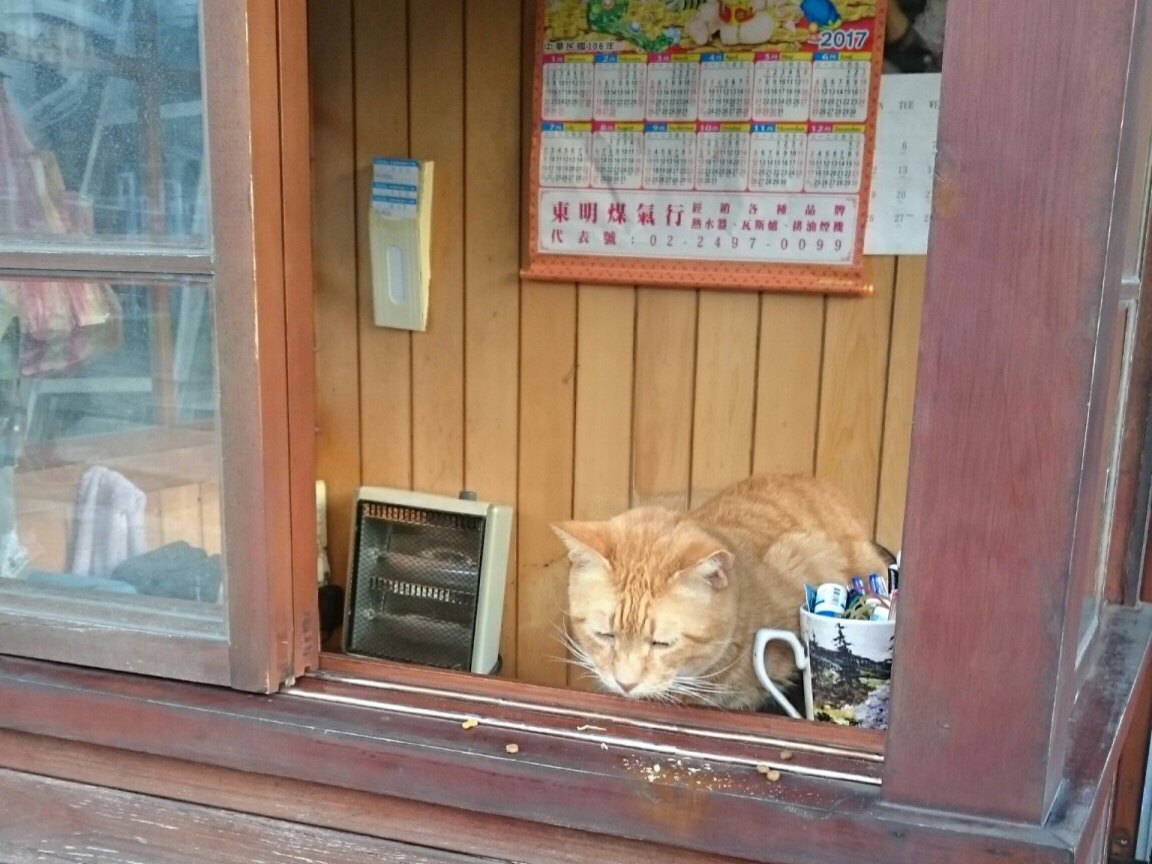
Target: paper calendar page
(904, 166)
(703, 142)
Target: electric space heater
(427, 579)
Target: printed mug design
(846, 664)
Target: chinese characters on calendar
(709, 149)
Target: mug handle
(763, 637)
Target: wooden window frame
(248, 216)
(960, 783)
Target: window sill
(407, 743)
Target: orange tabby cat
(664, 605)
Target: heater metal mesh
(415, 583)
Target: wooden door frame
(1005, 472)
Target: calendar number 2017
(843, 40)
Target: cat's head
(650, 610)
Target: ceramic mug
(846, 667)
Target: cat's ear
(714, 569)
(586, 542)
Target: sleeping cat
(664, 605)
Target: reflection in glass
(1122, 359)
(1136, 221)
(101, 124)
(109, 444)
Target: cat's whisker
(700, 683)
(719, 672)
(704, 698)
(706, 692)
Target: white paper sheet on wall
(900, 207)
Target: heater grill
(416, 584)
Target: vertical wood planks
(725, 391)
(664, 386)
(603, 452)
(907, 305)
(561, 401)
(385, 372)
(491, 272)
(852, 390)
(547, 391)
(603, 401)
(436, 117)
(334, 268)
(788, 384)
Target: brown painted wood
(334, 221)
(1015, 266)
(1119, 672)
(244, 122)
(302, 803)
(295, 124)
(1130, 527)
(732, 811)
(54, 820)
(682, 749)
(860, 740)
(247, 285)
(1129, 791)
(392, 751)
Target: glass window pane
(102, 125)
(1136, 230)
(1138, 117)
(110, 446)
(1121, 361)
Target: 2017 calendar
(712, 143)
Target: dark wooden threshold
(45, 819)
(418, 777)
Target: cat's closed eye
(656, 643)
(607, 637)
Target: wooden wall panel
(436, 115)
(491, 259)
(385, 371)
(604, 356)
(722, 420)
(665, 377)
(602, 466)
(906, 308)
(334, 268)
(559, 399)
(788, 384)
(852, 390)
(547, 415)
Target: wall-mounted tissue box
(399, 234)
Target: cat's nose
(627, 686)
